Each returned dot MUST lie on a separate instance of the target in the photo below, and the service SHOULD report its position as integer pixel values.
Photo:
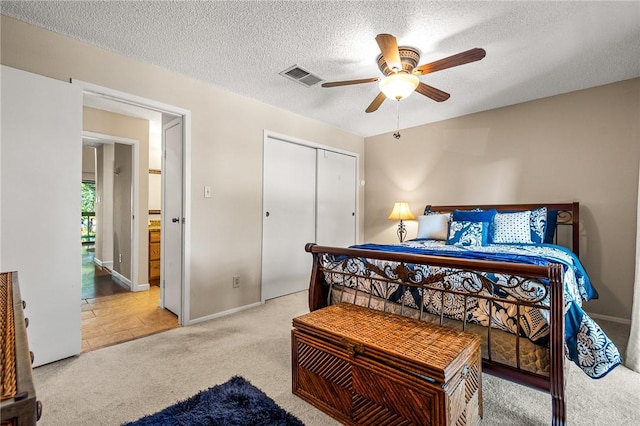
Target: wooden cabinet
(154, 256)
(365, 367)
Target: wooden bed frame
(554, 383)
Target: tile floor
(107, 320)
(112, 314)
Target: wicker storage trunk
(18, 403)
(366, 367)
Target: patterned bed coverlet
(586, 343)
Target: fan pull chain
(397, 133)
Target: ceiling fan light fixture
(399, 85)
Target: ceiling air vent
(301, 76)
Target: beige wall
(226, 154)
(88, 163)
(582, 146)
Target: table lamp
(401, 211)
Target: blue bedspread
(587, 344)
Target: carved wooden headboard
(568, 215)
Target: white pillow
(433, 226)
(512, 228)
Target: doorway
(108, 167)
(123, 103)
(116, 167)
(116, 306)
(55, 332)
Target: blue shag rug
(236, 402)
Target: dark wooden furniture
(154, 256)
(367, 367)
(18, 404)
(552, 381)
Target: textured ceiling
(534, 49)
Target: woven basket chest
(366, 367)
(18, 403)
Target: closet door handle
(267, 214)
(175, 219)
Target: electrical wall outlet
(120, 258)
(236, 281)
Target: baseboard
(222, 314)
(121, 279)
(141, 287)
(106, 264)
(609, 318)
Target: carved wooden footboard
(333, 265)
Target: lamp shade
(398, 86)
(401, 211)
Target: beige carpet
(124, 382)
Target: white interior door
(288, 221)
(171, 271)
(336, 192)
(40, 172)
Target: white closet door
(336, 220)
(40, 223)
(288, 221)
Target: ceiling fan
(400, 68)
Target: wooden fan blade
(431, 92)
(462, 58)
(389, 48)
(376, 102)
(348, 82)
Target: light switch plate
(207, 192)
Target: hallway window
(88, 219)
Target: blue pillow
(474, 215)
(466, 233)
(538, 224)
(552, 223)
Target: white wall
(104, 206)
(123, 211)
(155, 163)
